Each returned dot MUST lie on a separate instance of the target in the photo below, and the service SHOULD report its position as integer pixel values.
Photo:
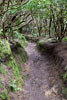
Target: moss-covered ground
(10, 68)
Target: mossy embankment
(12, 56)
(59, 52)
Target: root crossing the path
(42, 82)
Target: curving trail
(42, 81)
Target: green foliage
(41, 42)
(46, 9)
(13, 86)
(32, 5)
(5, 50)
(65, 39)
(41, 45)
(19, 36)
(38, 9)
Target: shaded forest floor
(43, 82)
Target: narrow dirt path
(42, 81)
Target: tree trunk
(50, 26)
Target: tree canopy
(48, 17)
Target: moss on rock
(46, 45)
(5, 50)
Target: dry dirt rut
(42, 81)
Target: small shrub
(65, 39)
(13, 86)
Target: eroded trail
(43, 81)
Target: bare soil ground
(43, 82)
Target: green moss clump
(5, 50)
(41, 45)
(65, 39)
(13, 86)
